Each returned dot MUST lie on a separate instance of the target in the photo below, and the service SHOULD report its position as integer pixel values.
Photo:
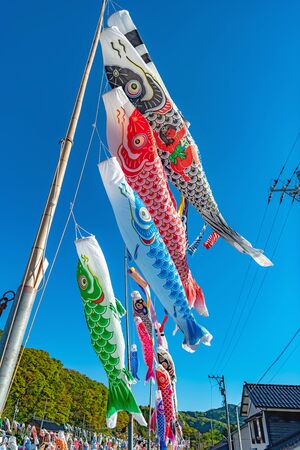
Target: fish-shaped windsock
(178, 428)
(147, 346)
(34, 435)
(7, 426)
(143, 86)
(140, 309)
(103, 312)
(22, 429)
(60, 441)
(148, 250)
(12, 443)
(131, 140)
(166, 360)
(134, 362)
(165, 386)
(26, 443)
(161, 337)
(160, 420)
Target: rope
(113, 6)
(116, 5)
(194, 246)
(105, 149)
(8, 296)
(17, 303)
(62, 234)
(78, 228)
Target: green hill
(71, 397)
(217, 417)
(42, 383)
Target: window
(257, 431)
(261, 433)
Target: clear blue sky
(233, 69)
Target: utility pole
(238, 426)
(212, 432)
(44, 413)
(286, 189)
(16, 409)
(222, 387)
(149, 417)
(14, 331)
(130, 422)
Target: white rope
(39, 261)
(102, 146)
(70, 214)
(116, 5)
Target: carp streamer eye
(139, 141)
(162, 379)
(133, 88)
(82, 282)
(144, 214)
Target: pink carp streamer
(137, 277)
(147, 347)
(163, 357)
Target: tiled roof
(287, 443)
(47, 424)
(277, 396)
(223, 445)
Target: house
(47, 424)
(272, 413)
(245, 438)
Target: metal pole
(227, 414)
(238, 426)
(16, 410)
(211, 432)
(44, 413)
(14, 331)
(149, 421)
(221, 383)
(130, 422)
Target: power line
(276, 181)
(245, 302)
(285, 361)
(258, 291)
(222, 354)
(229, 328)
(285, 189)
(279, 356)
(276, 360)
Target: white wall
(246, 441)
